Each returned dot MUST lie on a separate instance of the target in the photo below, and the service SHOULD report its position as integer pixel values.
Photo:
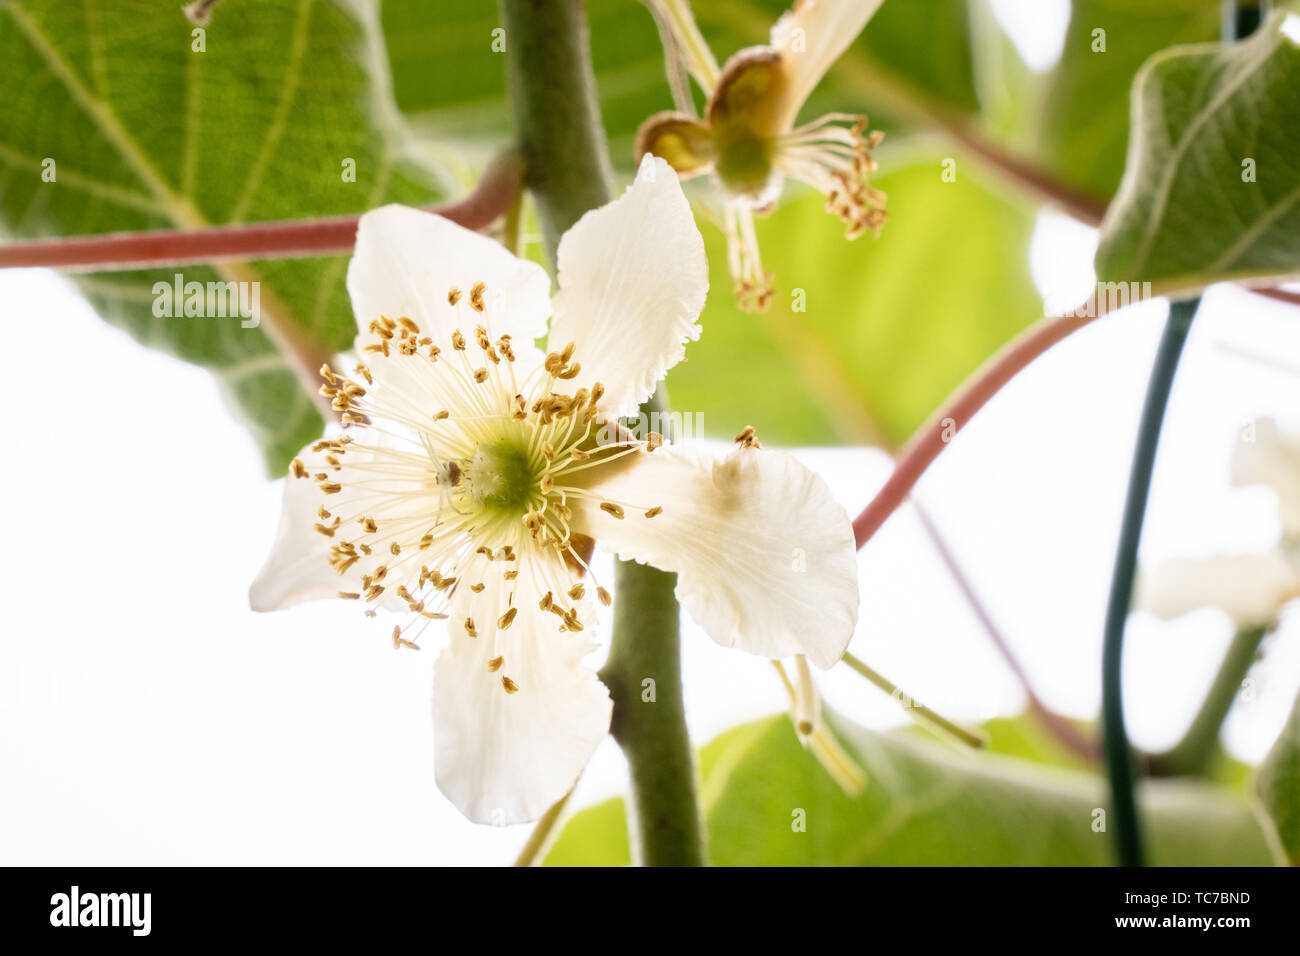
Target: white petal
(407, 260)
(1271, 458)
(297, 569)
(505, 758)
(633, 278)
(764, 555)
(1250, 588)
(811, 37)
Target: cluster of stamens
(838, 159)
(419, 501)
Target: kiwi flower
(1250, 588)
(474, 474)
(748, 138)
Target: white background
(148, 717)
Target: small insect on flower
(748, 138)
(475, 474)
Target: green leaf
(925, 804)
(912, 58)
(148, 133)
(1278, 786)
(880, 344)
(1085, 116)
(1211, 190)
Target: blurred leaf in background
(863, 339)
(768, 802)
(915, 57)
(149, 131)
(1085, 119)
(1278, 786)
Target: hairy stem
(292, 239)
(1193, 755)
(567, 169)
(1025, 174)
(643, 675)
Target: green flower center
(502, 477)
(744, 161)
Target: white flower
(1268, 457)
(748, 138)
(1250, 588)
(475, 473)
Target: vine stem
(291, 239)
(567, 169)
(1193, 755)
(1120, 763)
(933, 437)
(1121, 767)
(1064, 731)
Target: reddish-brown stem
(1064, 731)
(1281, 295)
(1083, 206)
(264, 240)
(926, 445)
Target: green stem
(1120, 764)
(970, 736)
(643, 675)
(567, 168)
(1193, 755)
(539, 840)
(1239, 20)
(557, 120)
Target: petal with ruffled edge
(505, 757)
(765, 556)
(633, 278)
(1250, 588)
(407, 260)
(1268, 457)
(810, 38)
